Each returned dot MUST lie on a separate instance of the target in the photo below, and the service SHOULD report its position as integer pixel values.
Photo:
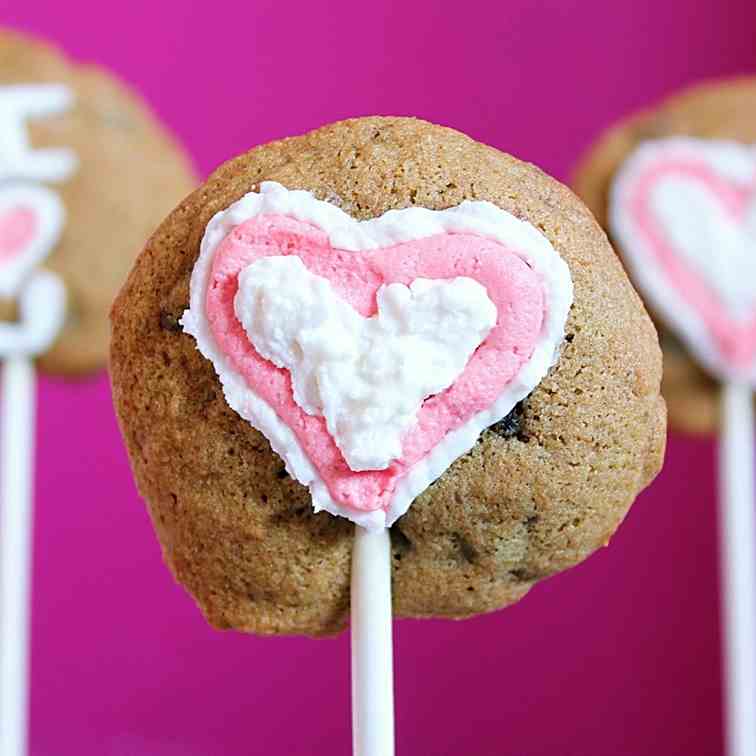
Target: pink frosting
(736, 340)
(17, 229)
(514, 287)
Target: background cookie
(717, 110)
(538, 493)
(130, 174)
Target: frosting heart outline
(684, 212)
(367, 376)
(367, 245)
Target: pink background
(617, 657)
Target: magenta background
(617, 657)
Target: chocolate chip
(522, 575)
(467, 551)
(400, 544)
(511, 425)
(170, 322)
(333, 199)
(282, 474)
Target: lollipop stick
(16, 459)
(738, 555)
(372, 650)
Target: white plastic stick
(372, 647)
(16, 466)
(738, 555)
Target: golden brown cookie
(131, 173)
(713, 110)
(539, 492)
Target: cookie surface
(130, 174)
(539, 492)
(713, 110)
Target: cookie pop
(66, 132)
(682, 210)
(270, 358)
(31, 219)
(371, 354)
(714, 111)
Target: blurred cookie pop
(714, 111)
(677, 189)
(85, 173)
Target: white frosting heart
(683, 211)
(366, 376)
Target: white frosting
(706, 236)
(48, 219)
(42, 309)
(366, 376)
(18, 160)
(711, 239)
(481, 218)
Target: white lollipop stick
(41, 299)
(738, 556)
(16, 476)
(42, 305)
(372, 648)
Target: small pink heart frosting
(17, 228)
(684, 214)
(525, 279)
(30, 222)
(31, 218)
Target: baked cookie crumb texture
(712, 110)
(538, 493)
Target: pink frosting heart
(515, 288)
(31, 219)
(736, 338)
(18, 226)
